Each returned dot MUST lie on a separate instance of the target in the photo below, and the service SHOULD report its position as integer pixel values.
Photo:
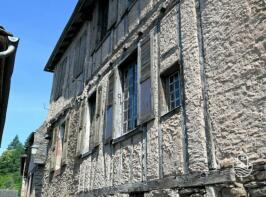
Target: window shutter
(98, 116)
(110, 90)
(55, 85)
(53, 151)
(54, 138)
(65, 143)
(145, 60)
(82, 128)
(112, 13)
(109, 110)
(145, 108)
(80, 131)
(91, 142)
(99, 102)
(59, 78)
(52, 161)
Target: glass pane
(176, 84)
(177, 94)
(130, 96)
(177, 102)
(171, 87)
(172, 105)
(172, 97)
(171, 79)
(109, 123)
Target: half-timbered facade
(157, 98)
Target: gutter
(8, 48)
(13, 41)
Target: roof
(37, 141)
(81, 13)
(8, 47)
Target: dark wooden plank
(191, 180)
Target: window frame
(90, 122)
(109, 109)
(165, 105)
(131, 62)
(173, 92)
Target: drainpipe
(12, 45)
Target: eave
(82, 12)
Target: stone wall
(234, 60)
(221, 52)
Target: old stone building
(158, 98)
(33, 163)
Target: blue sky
(38, 24)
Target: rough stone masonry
(159, 98)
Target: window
(130, 95)
(170, 99)
(92, 119)
(65, 141)
(80, 54)
(109, 109)
(81, 130)
(174, 91)
(59, 146)
(103, 18)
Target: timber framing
(186, 181)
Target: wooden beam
(185, 181)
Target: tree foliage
(10, 165)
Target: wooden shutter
(57, 82)
(98, 116)
(110, 96)
(145, 60)
(145, 108)
(92, 106)
(53, 150)
(80, 131)
(59, 78)
(99, 102)
(83, 127)
(112, 13)
(65, 143)
(109, 109)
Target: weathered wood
(191, 180)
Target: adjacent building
(158, 98)
(8, 47)
(33, 162)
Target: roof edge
(78, 17)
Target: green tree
(15, 144)
(10, 165)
